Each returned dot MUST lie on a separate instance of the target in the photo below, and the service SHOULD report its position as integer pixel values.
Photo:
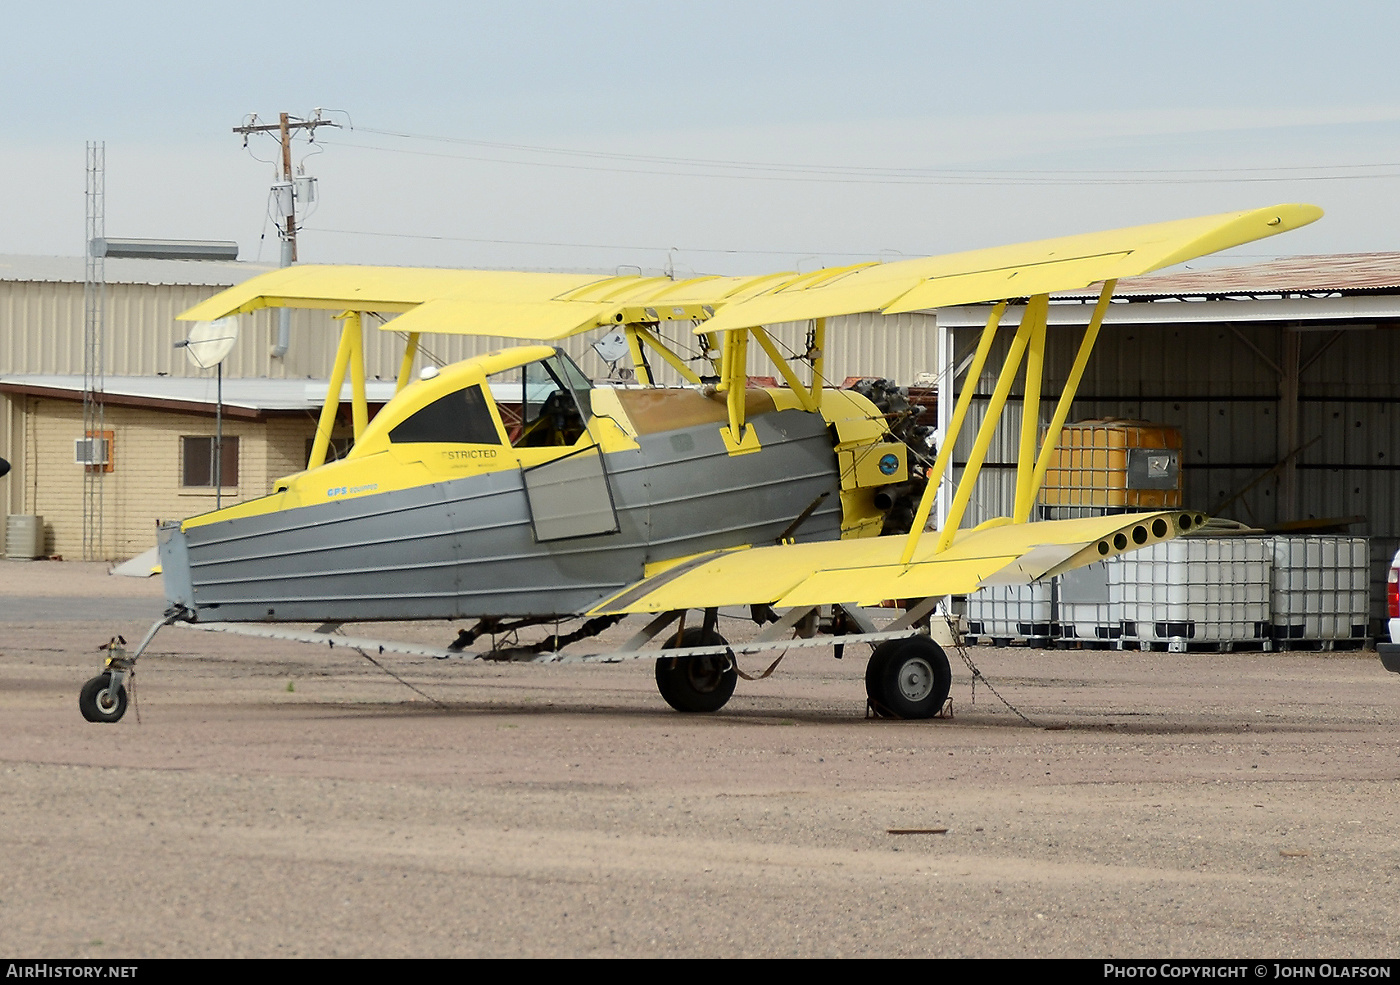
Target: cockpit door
(566, 478)
(570, 496)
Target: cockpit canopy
(539, 398)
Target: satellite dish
(611, 347)
(211, 341)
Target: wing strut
(1029, 344)
(410, 352)
(350, 354)
(945, 449)
(1030, 403)
(359, 409)
(639, 360)
(643, 334)
(1057, 420)
(798, 388)
(1032, 321)
(738, 438)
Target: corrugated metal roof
(247, 394)
(1311, 274)
(72, 270)
(1315, 274)
(255, 396)
(1356, 310)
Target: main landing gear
(908, 678)
(699, 683)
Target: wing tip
(1288, 215)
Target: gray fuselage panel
(467, 548)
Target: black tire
(95, 700)
(700, 683)
(908, 678)
(875, 667)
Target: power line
(838, 169)
(587, 246)
(769, 171)
(808, 254)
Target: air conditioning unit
(91, 451)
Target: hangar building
(1283, 377)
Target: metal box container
(1090, 604)
(1001, 614)
(1321, 591)
(1198, 593)
(1114, 464)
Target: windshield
(545, 402)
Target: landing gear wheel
(908, 678)
(97, 702)
(701, 683)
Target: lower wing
(869, 571)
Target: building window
(197, 454)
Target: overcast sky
(717, 137)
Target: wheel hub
(916, 679)
(706, 673)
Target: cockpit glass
(460, 418)
(542, 403)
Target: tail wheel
(99, 703)
(699, 683)
(908, 678)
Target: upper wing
(511, 303)
(548, 307)
(867, 571)
(1026, 269)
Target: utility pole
(286, 194)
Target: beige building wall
(144, 486)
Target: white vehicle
(1390, 652)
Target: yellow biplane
(510, 489)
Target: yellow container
(1115, 463)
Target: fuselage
(507, 485)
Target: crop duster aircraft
(581, 501)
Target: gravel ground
(279, 799)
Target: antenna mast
(94, 309)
